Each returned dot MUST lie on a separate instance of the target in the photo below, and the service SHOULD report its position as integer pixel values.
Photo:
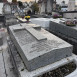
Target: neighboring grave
(38, 48)
(62, 28)
(67, 33)
(10, 18)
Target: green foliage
(63, 1)
(35, 7)
(14, 1)
(20, 4)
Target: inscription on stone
(36, 51)
(43, 45)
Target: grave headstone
(7, 8)
(1, 6)
(38, 48)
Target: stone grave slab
(38, 51)
(23, 72)
(37, 27)
(67, 33)
(61, 28)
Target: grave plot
(38, 48)
(67, 33)
(65, 67)
(10, 19)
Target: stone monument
(38, 47)
(7, 8)
(71, 5)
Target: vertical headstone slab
(38, 53)
(7, 8)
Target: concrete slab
(38, 53)
(37, 27)
(66, 30)
(23, 72)
(11, 21)
(67, 33)
(36, 34)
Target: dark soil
(61, 71)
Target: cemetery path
(6, 68)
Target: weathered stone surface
(37, 27)
(67, 33)
(10, 20)
(43, 22)
(66, 30)
(23, 72)
(37, 53)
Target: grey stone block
(19, 65)
(38, 53)
(59, 54)
(66, 30)
(36, 34)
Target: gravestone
(10, 19)
(38, 48)
(7, 8)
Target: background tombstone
(7, 8)
(10, 19)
